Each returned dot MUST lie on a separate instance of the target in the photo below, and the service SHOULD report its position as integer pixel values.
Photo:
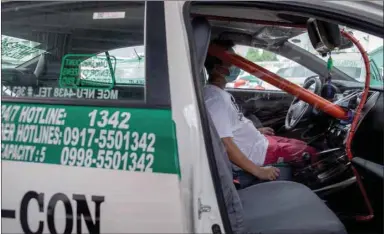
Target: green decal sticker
(140, 140)
(88, 71)
(15, 51)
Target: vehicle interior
(344, 196)
(348, 189)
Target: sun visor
(272, 35)
(237, 38)
(265, 37)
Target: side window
(375, 73)
(282, 66)
(88, 51)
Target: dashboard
(367, 142)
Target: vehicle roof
(262, 35)
(23, 19)
(289, 11)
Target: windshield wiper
(111, 70)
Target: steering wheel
(299, 108)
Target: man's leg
(288, 140)
(289, 149)
(272, 151)
(292, 151)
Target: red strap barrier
(356, 120)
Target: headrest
(48, 67)
(40, 67)
(202, 34)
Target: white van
(87, 149)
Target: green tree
(268, 56)
(255, 56)
(252, 55)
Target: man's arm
(220, 115)
(239, 159)
(267, 131)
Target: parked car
(246, 81)
(295, 74)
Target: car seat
(274, 207)
(48, 70)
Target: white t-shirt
(230, 122)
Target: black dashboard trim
(375, 168)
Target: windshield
(16, 51)
(350, 60)
(297, 71)
(287, 68)
(129, 65)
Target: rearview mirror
(345, 43)
(324, 36)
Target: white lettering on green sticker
(78, 136)
(87, 71)
(15, 51)
(50, 92)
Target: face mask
(233, 73)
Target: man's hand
(268, 173)
(267, 131)
(239, 159)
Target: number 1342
(103, 118)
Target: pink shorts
(287, 148)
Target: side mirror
(324, 36)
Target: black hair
(211, 61)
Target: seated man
(248, 148)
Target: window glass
(74, 50)
(282, 66)
(16, 51)
(350, 60)
(130, 63)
